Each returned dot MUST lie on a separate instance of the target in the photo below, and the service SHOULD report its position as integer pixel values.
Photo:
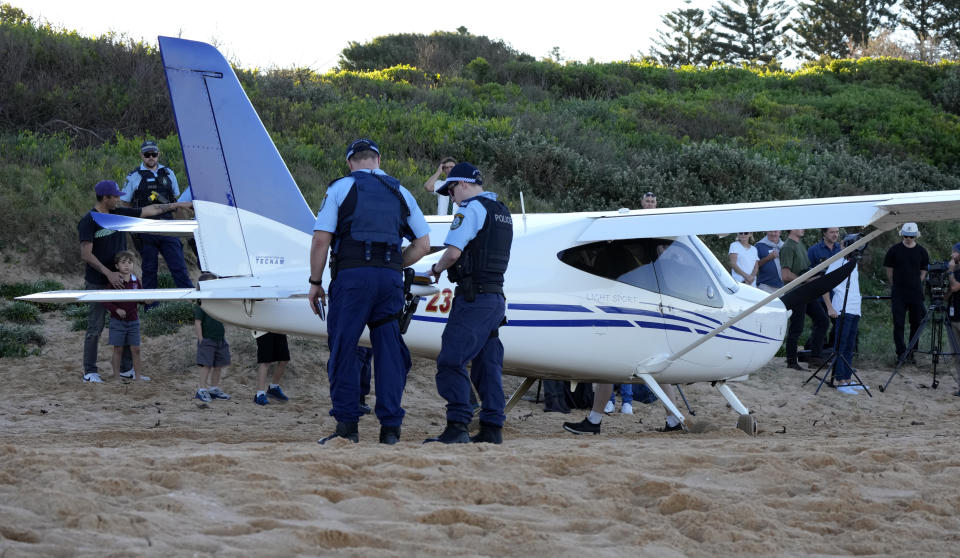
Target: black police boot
(389, 435)
(454, 433)
(489, 433)
(346, 430)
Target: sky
(301, 33)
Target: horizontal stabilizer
(882, 211)
(138, 295)
(124, 223)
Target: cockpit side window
(653, 264)
(682, 276)
(628, 261)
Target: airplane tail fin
(251, 215)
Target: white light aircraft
(606, 297)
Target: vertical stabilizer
(249, 209)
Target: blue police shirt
(819, 252)
(133, 181)
(337, 193)
(468, 219)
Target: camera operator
(906, 264)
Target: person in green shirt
(213, 353)
(794, 263)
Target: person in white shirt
(435, 182)
(744, 260)
(834, 300)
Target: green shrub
(20, 312)
(166, 317)
(16, 339)
(78, 314)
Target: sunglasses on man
(151, 155)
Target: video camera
(938, 281)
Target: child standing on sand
(213, 353)
(124, 320)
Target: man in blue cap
(476, 258)
(149, 184)
(362, 222)
(98, 246)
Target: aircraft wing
(884, 212)
(124, 223)
(112, 295)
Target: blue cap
(356, 146)
(149, 146)
(107, 188)
(463, 172)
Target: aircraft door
(629, 325)
(692, 303)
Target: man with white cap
(906, 264)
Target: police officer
(362, 222)
(478, 250)
(149, 184)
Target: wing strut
(661, 365)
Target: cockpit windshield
(720, 272)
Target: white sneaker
(626, 409)
(129, 374)
(92, 377)
(608, 408)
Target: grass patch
(20, 312)
(167, 317)
(15, 340)
(77, 313)
(29, 287)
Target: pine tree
(689, 42)
(834, 27)
(751, 30)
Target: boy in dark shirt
(124, 320)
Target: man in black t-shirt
(99, 245)
(906, 264)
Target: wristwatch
(312, 282)
(433, 269)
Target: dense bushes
(572, 137)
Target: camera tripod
(936, 315)
(836, 357)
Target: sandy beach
(143, 469)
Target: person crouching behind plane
(363, 220)
(477, 254)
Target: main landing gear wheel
(748, 424)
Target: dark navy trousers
(359, 296)
(467, 339)
(154, 245)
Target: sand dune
(142, 469)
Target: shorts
(123, 333)
(212, 353)
(272, 347)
